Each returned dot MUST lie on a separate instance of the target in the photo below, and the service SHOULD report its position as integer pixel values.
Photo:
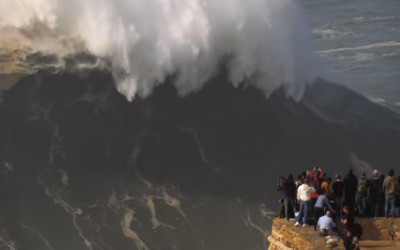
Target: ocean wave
(146, 41)
(329, 34)
(376, 18)
(357, 57)
(365, 47)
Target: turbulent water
(359, 45)
(166, 124)
(264, 43)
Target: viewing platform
(378, 234)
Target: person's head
(376, 172)
(290, 177)
(363, 175)
(308, 173)
(338, 177)
(346, 209)
(348, 233)
(391, 172)
(329, 179)
(329, 213)
(355, 239)
(300, 181)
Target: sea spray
(260, 42)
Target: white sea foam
(329, 34)
(376, 18)
(146, 41)
(365, 47)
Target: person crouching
(326, 224)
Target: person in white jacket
(304, 197)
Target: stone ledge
(379, 234)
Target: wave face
(167, 172)
(261, 42)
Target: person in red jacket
(317, 174)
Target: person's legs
(386, 205)
(301, 211)
(339, 205)
(286, 204)
(364, 205)
(392, 202)
(307, 205)
(375, 206)
(293, 204)
(315, 220)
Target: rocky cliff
(379, 234)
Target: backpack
(362, 186)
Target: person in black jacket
(350, 189)
(376, 194)
(281, 204)
(289, 197)
(337, 188)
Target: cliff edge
(379, 234)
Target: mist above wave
(260, 42)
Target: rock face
(378, 233)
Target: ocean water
(359, 45)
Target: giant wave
(264, 43)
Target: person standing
(350, 189)
(326, 187)
(362, 195)
(375, 194)
(317, 174)
(279, 185)
(398, 197)
(289, 196)
(390, 188)
(304, 197)
(337, 188)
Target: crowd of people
(314, 199)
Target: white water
(263, 42)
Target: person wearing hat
(337, 189)
(362, 192)
(376, 194)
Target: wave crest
(145, 41)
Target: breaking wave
(264, 43)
